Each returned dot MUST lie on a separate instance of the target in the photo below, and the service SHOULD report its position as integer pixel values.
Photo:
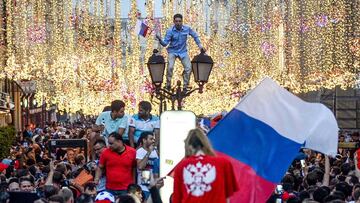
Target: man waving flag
(263, 134)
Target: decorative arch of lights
(83, 54)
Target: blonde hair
(199, 141)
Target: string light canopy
(81, 59)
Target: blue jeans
(187, 69)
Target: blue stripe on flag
(143, 29)
(254, 143)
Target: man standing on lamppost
(176, 38)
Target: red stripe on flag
(252, 188)
(146, 31)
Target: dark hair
(13, 180)
(32, 170)
(341, 178)
(106, 108)
(312, 178)
(30, 162)
(100, 141)
(25, 178)
(82, 133)
(328, 190)
(353, 180)
(144, 135)
(294, 199)
(22, 172)
(339, 194)
(37, 139)
(116, 105)
(117, 136)
(132, 188)
(84, 198)
(49, 191)
(332, 198)
(357, 185)
(61, 168)
(145, 105)
(344, 188)
(288, 179)
(126, 199)
(356, 194)
(178, 15)
(57, 177)
(345, 168)
(79, 158)
(320, 194)
(336, 170)
(57, 198)
(304, 195)
(90, 186)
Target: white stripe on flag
(138, 27)
(292, 117)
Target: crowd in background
(74, 175)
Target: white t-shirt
(140, 154)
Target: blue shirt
(176, 39)
(141, 125)
(110, 124)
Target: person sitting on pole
(175, 39)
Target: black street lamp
(156, 65)
(201, 67)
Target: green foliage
(7, 137)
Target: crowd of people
(314, 177)
(114, 160)
(123, 164)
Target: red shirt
(204, 179)
(119, 168)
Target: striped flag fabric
(141, 28)
(263, 134)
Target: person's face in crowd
(120, 113)
(355, 138)
(45, 156)
(178, 23)
(26, 186)
(138, 194)
(70, 155)
(98, 149)
(31, 154)
(149, 141)
(91, 192)
(14, 187)
(341, 139)
(115, 145)
(143, 113)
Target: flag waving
(141, 28)
(263, 134)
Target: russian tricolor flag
(141, 28)
(263, 134)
